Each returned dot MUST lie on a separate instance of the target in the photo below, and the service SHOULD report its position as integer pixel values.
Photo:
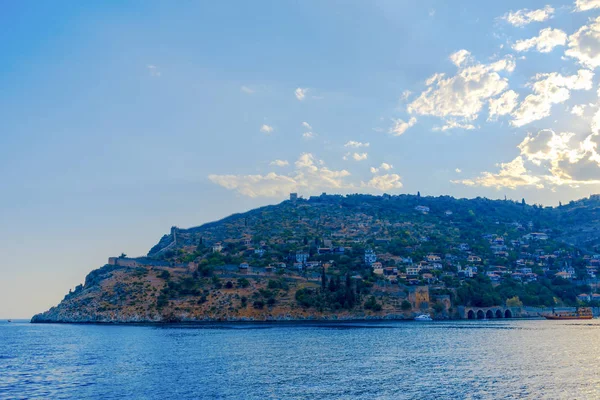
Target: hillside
(355, 256)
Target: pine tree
(418, 195)
(332, 287)
(323, 278)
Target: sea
(495, 359)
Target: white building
(370, 257)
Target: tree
(323, 278)
(165, 275)
(523, 201)
(418, 195)
(405, 306)
(514, 302)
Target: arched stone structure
(468, 312)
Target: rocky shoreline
(49, 317)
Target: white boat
(423, 317)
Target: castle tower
(174, 231)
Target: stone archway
(489, 314)
(498, 313)
(480, 314)
(507, 314)
(471, 314)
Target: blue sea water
(507, 359)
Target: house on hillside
(301, 257)
(584, 297)
(370, 256)
(474, 259)
(217, 247)
(413, 270)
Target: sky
(119, 120)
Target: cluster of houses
(556, 264)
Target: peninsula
(333, 257)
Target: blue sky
(120, 119)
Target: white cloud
(383, 167)
(547, 159)
(401, 126)
(405, 95)
(584, 45)
(384, 182)
(246, 90)
(460, 57)
(309, 175)
(464, 94)
(578, 109)
(585, 5)
(279, 163)
(308, 135)
(453, 124)
(458, 170)
(549, 89)
(525, 16)
(300, 93)
(154, 71)
(266, 128)
(547, 40)
(356, 144)
(356, 156)
(503, 105)
(511, 175)
(307, 125)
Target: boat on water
(580, 313)
(10, 320)
(423, 317)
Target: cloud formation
(525, 16)
(310, 175)
(383, 167)
(246, 90)
(356, 156)
(503, 105)
(584, 45)
(266, 128)
(356, 144)
(300, 93)
(585, 5)
(452, 123)
(401, 126)
(279, 163)
(384, 182)
(548, 89)
(464, 94)
(546, 159)
(546, 40)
